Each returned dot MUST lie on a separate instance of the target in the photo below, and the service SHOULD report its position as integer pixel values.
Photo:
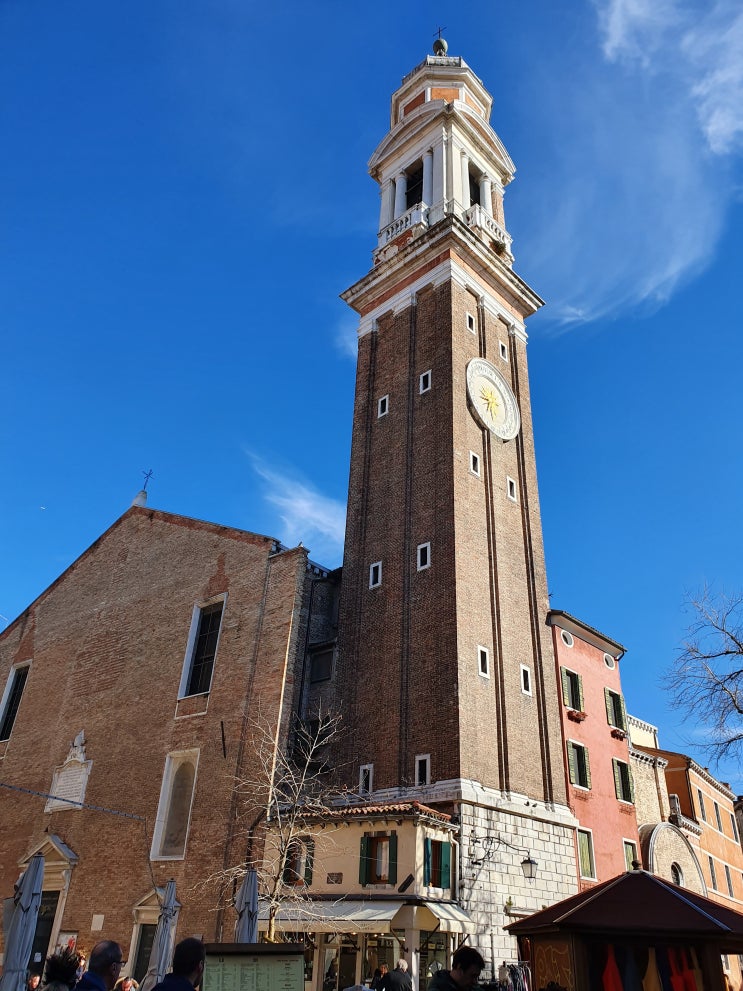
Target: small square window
(471, 326)
(375, 575)
(511, 488)
(366, 779)
(483, 661)
(423, 769)
(383, 406)
(503, 350)
(424, 556)
(425, 382)
(475, 463)
(525, 680)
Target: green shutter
(623, 713)
(446, 865)
(393, 858)
(588, 767)
(364, 866)
(631, 784)
(609, 706)
(309, 861)
(573, 771)
(617, 777)
(565, 686)
(581, 704)
(426, 860)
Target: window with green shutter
(572, 689)
(623, 786)
(616, 713)
(436, 863)
(378, 858)
(579, 767)
(585, 854)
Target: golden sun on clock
(492, 402)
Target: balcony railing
(476, 218)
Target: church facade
(134, 684)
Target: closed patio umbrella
(246, 904)
(19, 937)
(163, 944)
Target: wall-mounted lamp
(490, 845)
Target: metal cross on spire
(438, 33)
(147, 476)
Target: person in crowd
(399, 979)
(188, 967)
(81, 965)
(376, 979)
(466, 966)
(60, 973)
(384, 979)
(126, 984)
(104, 967)
(32, 981)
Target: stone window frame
(200, 609)
(471, 323)
(475, 464)
(375, 574)
(366, 779)
(503, 350)
(483, 654)
(591, 851)
(425, 761)
(525, 679)
(383, 406)
(173, 762)
(10, 686)
(424, 382)
(628, 860)
(512, 490)
(423, 556)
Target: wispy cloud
(307, 515)
(641, 181)
(347, 339)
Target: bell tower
(445, 665)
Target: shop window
(298, 862)
(623, 781)
(378, 858)
(436, 863)
(578, 765)
(572, 689)
(585, 854)
(12, 700)
(616, 713)
(201, 650)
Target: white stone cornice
(643, 758)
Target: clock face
(493, 403)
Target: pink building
(597, 766)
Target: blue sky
(183, 195)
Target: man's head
(384, 968)
(33, 981)
(106, 959)
(402, 965)
(188, 960)
(466, 965)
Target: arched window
(174, 810)
(677, 875)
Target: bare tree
(286, 798)
(706, 680)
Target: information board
(254, 967)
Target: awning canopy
(334, 917)
(353, 916)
